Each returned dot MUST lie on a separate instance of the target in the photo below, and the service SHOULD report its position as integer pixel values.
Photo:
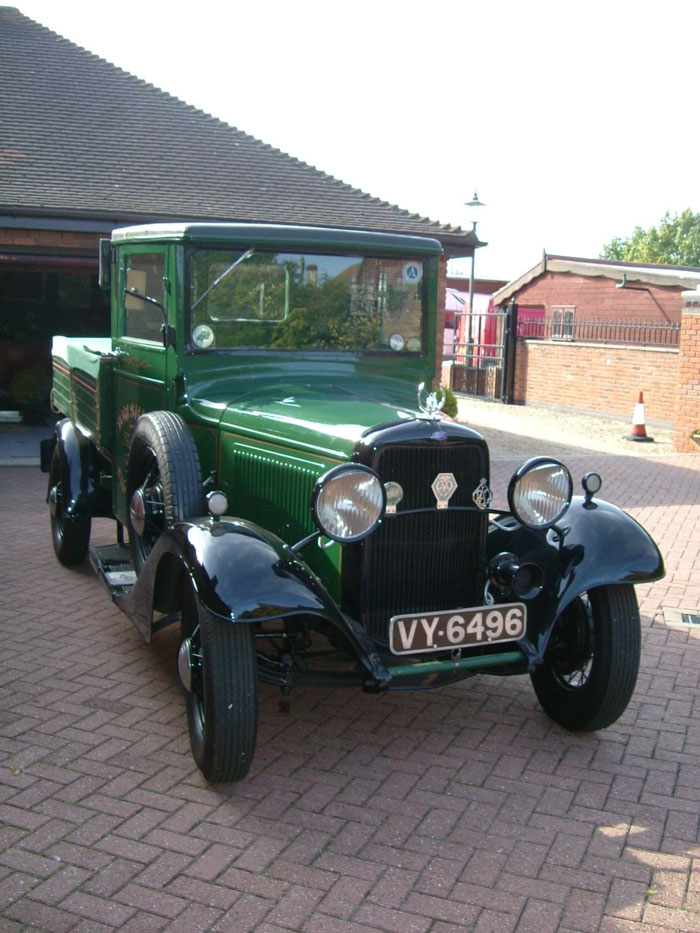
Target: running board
(131, 593)
(113, 565)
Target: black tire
(222, 702)
(592, 660)
(70, 535)
(163, 483)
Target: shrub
(450, 406)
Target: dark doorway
(41, 296)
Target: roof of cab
(267, 235)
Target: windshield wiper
(167, 331)
(248, 253)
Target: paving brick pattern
(463, 808)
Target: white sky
(575, 121)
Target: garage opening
(41, 296)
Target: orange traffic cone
(639, 431)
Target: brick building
(566, 359)
(601, 290)
(86, 147)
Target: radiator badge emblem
(482, 495)
(394, 495)
(444, 487)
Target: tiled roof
(79, 137)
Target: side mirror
(105, 273)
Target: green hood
(327, 417)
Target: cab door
(143, 364)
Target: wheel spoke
(155, 514)
(196, 663)
(578, 677)
(151, 477)
(571, 651)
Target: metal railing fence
(631, 333)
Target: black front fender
(241, 573)
(597, 544)
(246, 574)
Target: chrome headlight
(540, 492)
(348, 502)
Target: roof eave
(505, 293)
(622, 272)
(455, 242)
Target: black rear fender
(81, 475)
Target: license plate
(419, 632)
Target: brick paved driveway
(464, 808)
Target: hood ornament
(431, 408)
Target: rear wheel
(163, 480)
(217, 666)
(70, 534)
(592, 661)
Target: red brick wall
(481, 286)
(597, 378)
(687, 417)
(600, 299)
(51, 240)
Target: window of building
(563, 322)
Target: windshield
(294, 301)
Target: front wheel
(217, 666)
(592, 660)
(163, 480)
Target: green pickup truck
(295, 500)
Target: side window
(143, 274)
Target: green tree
(675, 241)
(327, 317)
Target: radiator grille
(430, 560)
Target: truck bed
(82, 385)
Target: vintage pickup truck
(294, 498)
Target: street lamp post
(473, 208)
